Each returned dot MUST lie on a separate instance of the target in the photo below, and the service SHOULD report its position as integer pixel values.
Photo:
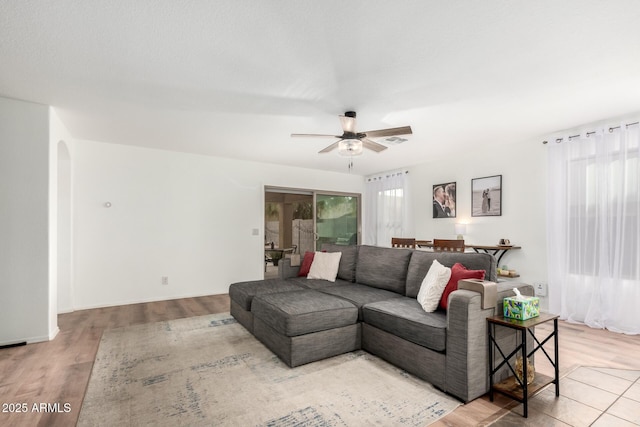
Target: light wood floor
(58, 371)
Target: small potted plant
(275, 257)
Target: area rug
(209, 371)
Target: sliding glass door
(337, 218)
(305, 219)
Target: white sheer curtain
(593, 228)
(387, 212)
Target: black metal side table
(513, 386)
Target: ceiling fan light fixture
(350, 147)
(352, 143)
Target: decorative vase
(531, 371)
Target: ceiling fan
(352, 143)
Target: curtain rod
(611, 129)
(386, 175)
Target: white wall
(523, 220)
(190, 217)
(184, 216)
(24, 223)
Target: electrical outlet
(540, 289)
(165, 280)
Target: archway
(65, 277)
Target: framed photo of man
(444, 200)
(486, 196)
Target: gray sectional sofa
(372, 306)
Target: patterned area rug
(208, 370)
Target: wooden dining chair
(442, 245)
(402, 242)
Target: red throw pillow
(458, 272)
(306, 264)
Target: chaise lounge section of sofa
(372, 305)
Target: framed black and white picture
(444, 200)
(486, 196)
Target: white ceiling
(234, 78)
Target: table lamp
(460, 230)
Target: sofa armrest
(487, 290)
(467, 339)
(286, 270)
(467, 351)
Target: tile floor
(596, 397)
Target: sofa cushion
(243, 292)
(306, 264)
(325, 266)
(421, 261)
(433, 286)
(458, 272)
(405, 318)
(317, 284)
(347, 268)
(358, 294)
(383, 268)
(302, 312)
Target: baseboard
(29, 340)
(142, 301)
(54, 333)
(16, 344)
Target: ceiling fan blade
(371, 145)
(313, 135)
(404, 130)
(348, 124)
(329, 148)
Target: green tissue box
(521, 309)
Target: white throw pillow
(325, 266)
(433, 286)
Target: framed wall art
(486, 196)
(444, 200)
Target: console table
(424, 243)
(497, 251)
(513, 386)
